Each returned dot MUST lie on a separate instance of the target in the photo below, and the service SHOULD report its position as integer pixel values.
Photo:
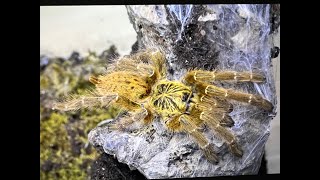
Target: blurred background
(82, 38)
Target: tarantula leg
(222, 132)
(159, 60)
(132, 120)
(211, 76)
(154, 57)
(210, 103)
(128, 65)
(215, 91)
(189, 127)
(73, 103)
(219, 114)
(219, 109)
(224, 119)
(147, 61)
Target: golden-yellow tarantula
(138, 85)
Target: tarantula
(138, 85)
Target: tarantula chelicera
(137, 84)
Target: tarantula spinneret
(137, 84)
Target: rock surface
(210, 37)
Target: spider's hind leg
(211, 76)
(217, 119)
(214, 123)
(214, 91)
(218, 107)
(189, 125)
(90, 100)
(203, 79)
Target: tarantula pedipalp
(138, 85)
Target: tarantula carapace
(138, 85)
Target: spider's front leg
(146, 63)
(155, 58)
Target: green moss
(57, 134)
(64, 149)
(92, 118)
(52, 127)
(57, 139)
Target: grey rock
(210, 37)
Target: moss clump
(65, 152)
(64, 149)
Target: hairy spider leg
(217, 120)
(189, 126)
(140, 118)
(155, 58)
(147, 63)
(219, 107)
(252, 99)
(214, 91)
(211, 76)
(74, 103)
